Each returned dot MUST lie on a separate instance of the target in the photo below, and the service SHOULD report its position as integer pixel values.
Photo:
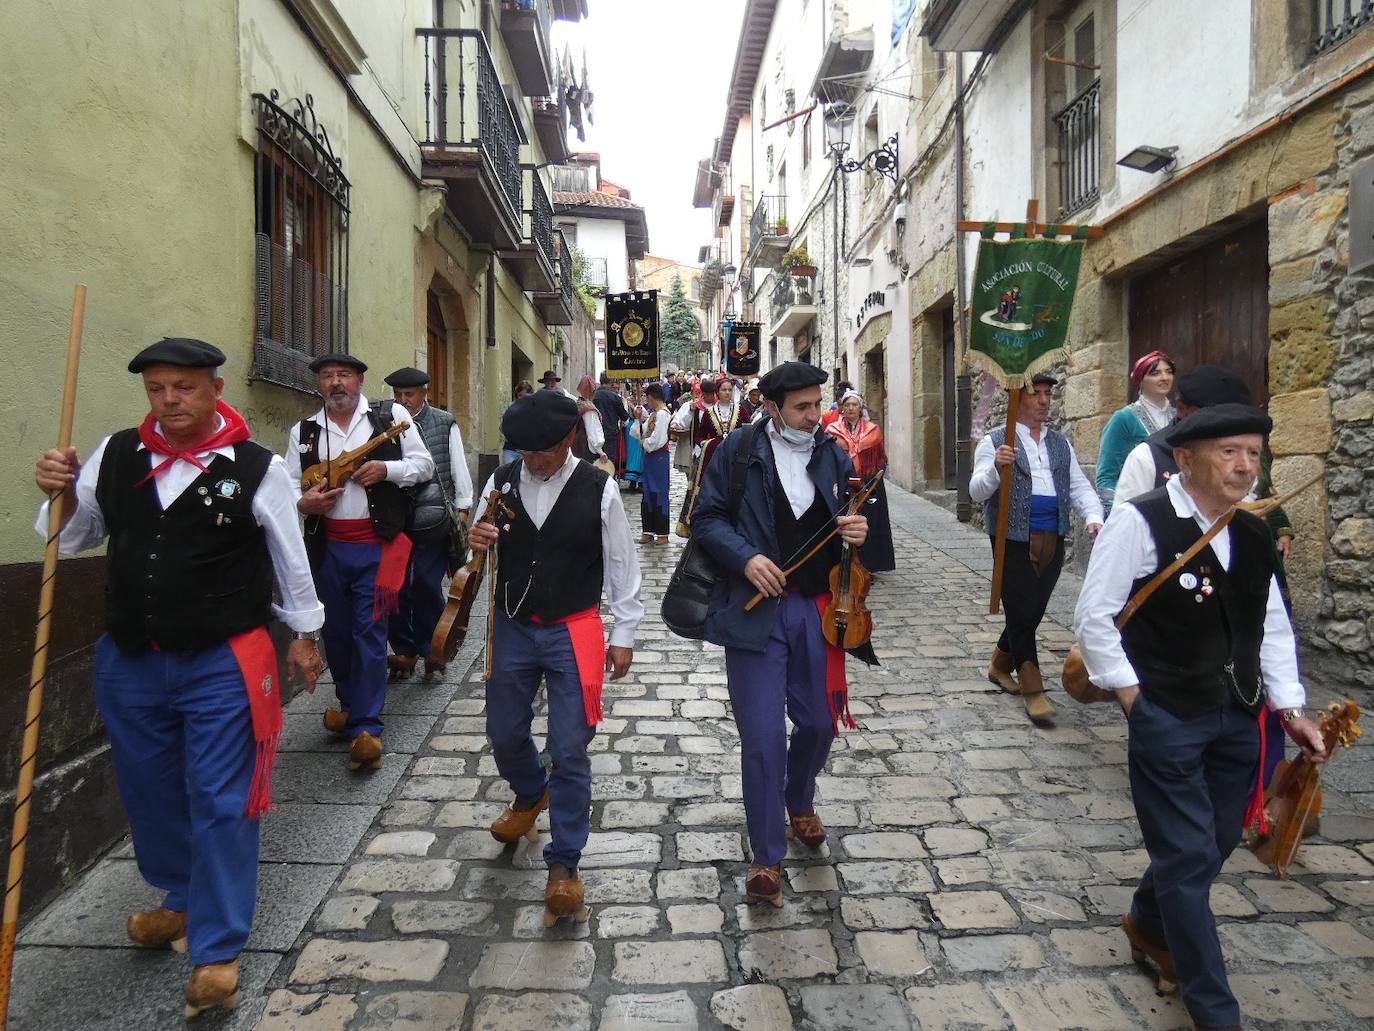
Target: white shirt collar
(559, 474)
(782, 442)
(1185, 507)
(227, 451)
(1161, 409)
(322, 416)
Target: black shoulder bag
(688, 597)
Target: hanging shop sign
(742, 349)
(632, 335)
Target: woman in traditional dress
(863, 440)
(1153, 378)
(634, 452)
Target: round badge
(1187, 581)
(632, 335)
(1197, 598)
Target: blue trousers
(779, 776)
(354, 642)
(522, 653)
(1191, 781)
(421, 602)
(182, 741)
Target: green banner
(1022, 298)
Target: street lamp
(839, 116)
(1151, 159)
(838, 119)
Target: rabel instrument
(846, 622)
(452, 627)
(335, 472)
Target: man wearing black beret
(201, 522)
(1200, 660)
(777, 662)
(356, 538)
(560, 538)
(438, 502)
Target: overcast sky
(659, 70)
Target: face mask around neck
(792, 436)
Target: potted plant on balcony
(780, 228)
(798, 263)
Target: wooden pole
(23, 795)
(999, 550)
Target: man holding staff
(201, 522)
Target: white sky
(659, 70)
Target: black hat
(338, 359)
(1205, 385)
(708, 385)
(654, 390)
(183, 351)
(407, 377)
(1223, 420)
(1043, 377)
(789, 376)
(538, 421)
(548, 375)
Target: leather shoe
(514, 824)
(159, 928)
(211, 985)
(1142, 949)
(434, 668)
(336, 722)
(399, 667)
(808, 829)
(365, 750)
(1038, 707)
(564, 896)
(1000, 671)
(764, 883)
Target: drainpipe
(963, 384)
(835, 251)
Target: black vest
(388, 505)
(196, 574)
(796, 536)
(1165, 466)
(556, 570)
(1196, 641)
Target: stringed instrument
(335, 472)
(856, 502)
(452, 628)
(1294, 798)
(846, 622)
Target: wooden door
(436, 347)
(948, 430)
(1210, 306)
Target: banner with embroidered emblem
(632, 335)
(742, 356)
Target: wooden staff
(23, 795)
(999, 548)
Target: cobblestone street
(974, 874)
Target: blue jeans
(1190, 780)
(785, 681)
(522, 654)
(181, 737)
(354, 642)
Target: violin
(335, 472)
(846, 622)
(452, 628)
(1294, 798)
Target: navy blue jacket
(733, 546)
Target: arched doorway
(436, 352)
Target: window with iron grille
(1335, 21)
(301, 244)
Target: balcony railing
(769, 218)
(565, 267)
(527, 28)
(1335, 21)
(789, 291)
(1080, 146)
(465, 107)
(541, 218)
(595, 275)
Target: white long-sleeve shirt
(414, 466)
(458, 463)
(791, 461)
(655, 439)
(621, 577)
(274, 509)
(1138, 474)
(596, 433)
(1125, 552)
(986, 481)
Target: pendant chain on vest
(514, 484)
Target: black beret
(183, 351)
(1043, 377)
(655, 390)
(1223, 420)
(538, 421)
(338, 359)
(407, 377)
(781, 380)
(1205, 385)
(708, 385)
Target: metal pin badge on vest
(1187, 581)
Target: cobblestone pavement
(973, 877)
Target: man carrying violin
(560, 538)
(354, 536)
(1193, 671)
(777, 661)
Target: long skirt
(653, 509)
(682, 453)
(634, 458)
(877, 553)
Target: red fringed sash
(588, 635)
(391, 567)
(836, 686)
(257, 660)
(1255, 816)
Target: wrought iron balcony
(769, 236)
(1080, 150)
(793, 303)
(525, 26)
(551, 126)
(1335, 21)
(532, 262)
(471, 136)
(556, 306)
(723, 203)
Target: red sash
(588, 635)
(1255, 816)
(836, 686)
(391, 567)
(257, 660)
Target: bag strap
(1143, 595)
(739, 469)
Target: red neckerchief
(234, 431)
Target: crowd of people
(210, 536)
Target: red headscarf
(1142, 367)
(586, 387)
